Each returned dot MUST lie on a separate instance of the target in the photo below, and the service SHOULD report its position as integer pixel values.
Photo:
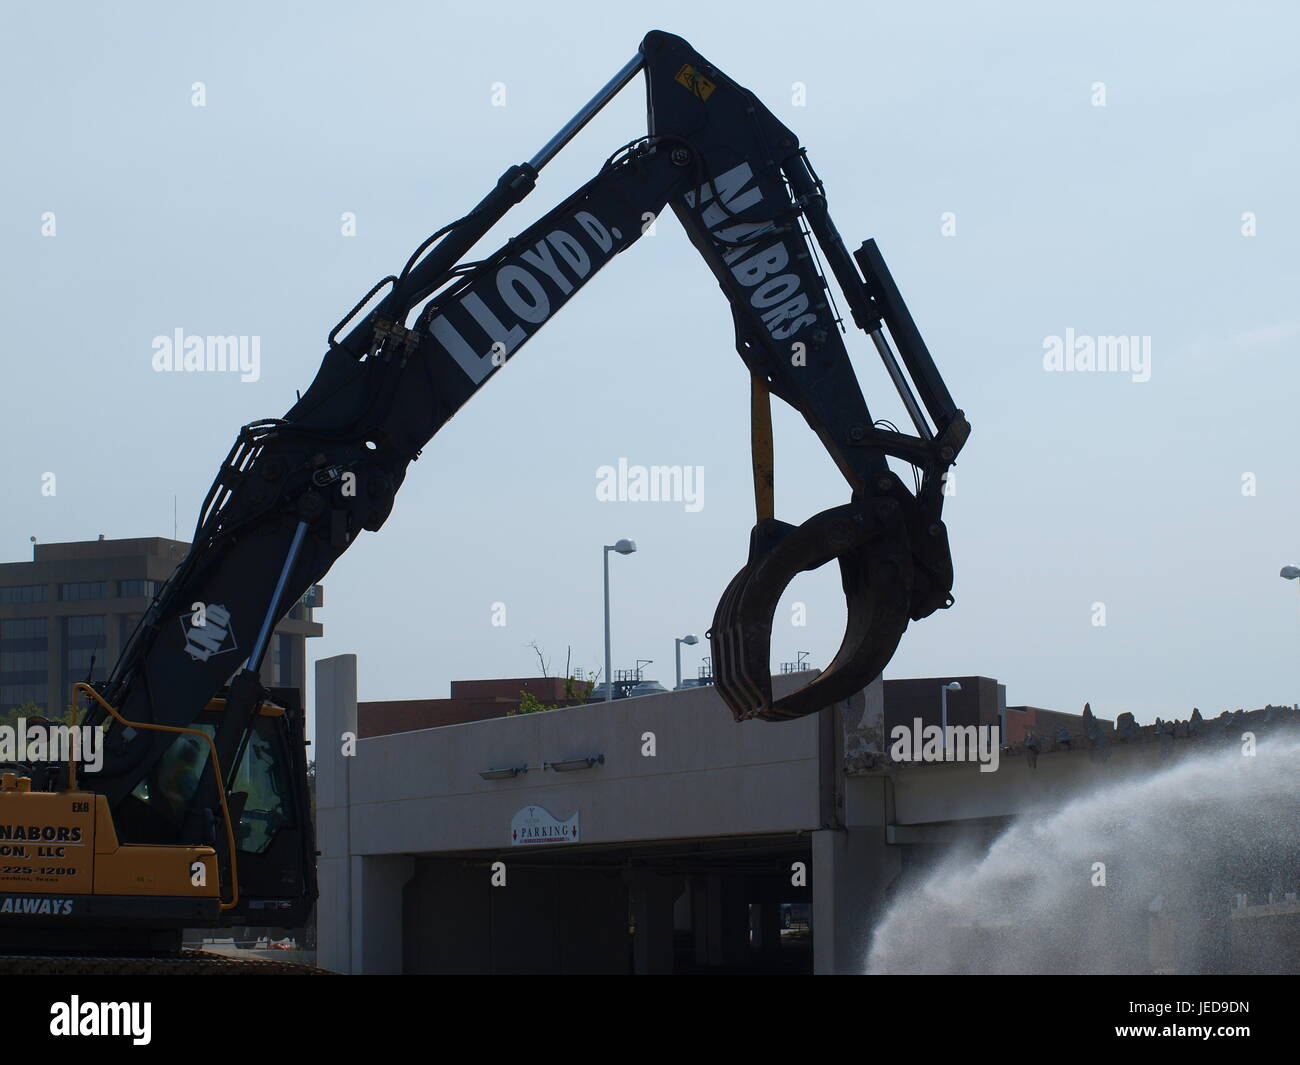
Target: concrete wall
(906, 700)
(386, 812)
(952, 791)
(408, 829)
(471, 700)
(420, 792)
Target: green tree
(30, 710)
(575, 691)
(529, 704)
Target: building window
(23, 673)
(86, 626)
(15, 695)
(79, 590)
(79, 659)
(23, 593)
(137, 589)
(22, 662)
(282, 669)
(22, 629)
(85, 637)
(126, 624)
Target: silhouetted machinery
(200, 815)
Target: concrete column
(720, 919)
(682, 907)
(703, 923)
(377, 883)
(652, 908)
(592, 927)
(336, 714)
(58, 693)
(765, 926)
(112, 644)
(852, 868)
(734, 915)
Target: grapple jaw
(870, 541)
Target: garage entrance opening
(691, 906)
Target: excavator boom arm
(296, 491)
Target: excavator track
(185, 963)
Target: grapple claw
(870, 541)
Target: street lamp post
(690, 640)
(944, 689)
(623, 547)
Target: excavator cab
(270, 808)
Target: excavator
(199, 814)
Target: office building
(77, 601)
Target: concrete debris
(1097, 738)
(1227, 726)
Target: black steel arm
(295, 492)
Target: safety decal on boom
(692, 79)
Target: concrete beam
(377, 885)
(852, 870)
(653, 897)
(336, 713)
(898, 835)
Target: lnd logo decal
(207, 631)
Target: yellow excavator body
(60, 849)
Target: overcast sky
(1171, 501)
